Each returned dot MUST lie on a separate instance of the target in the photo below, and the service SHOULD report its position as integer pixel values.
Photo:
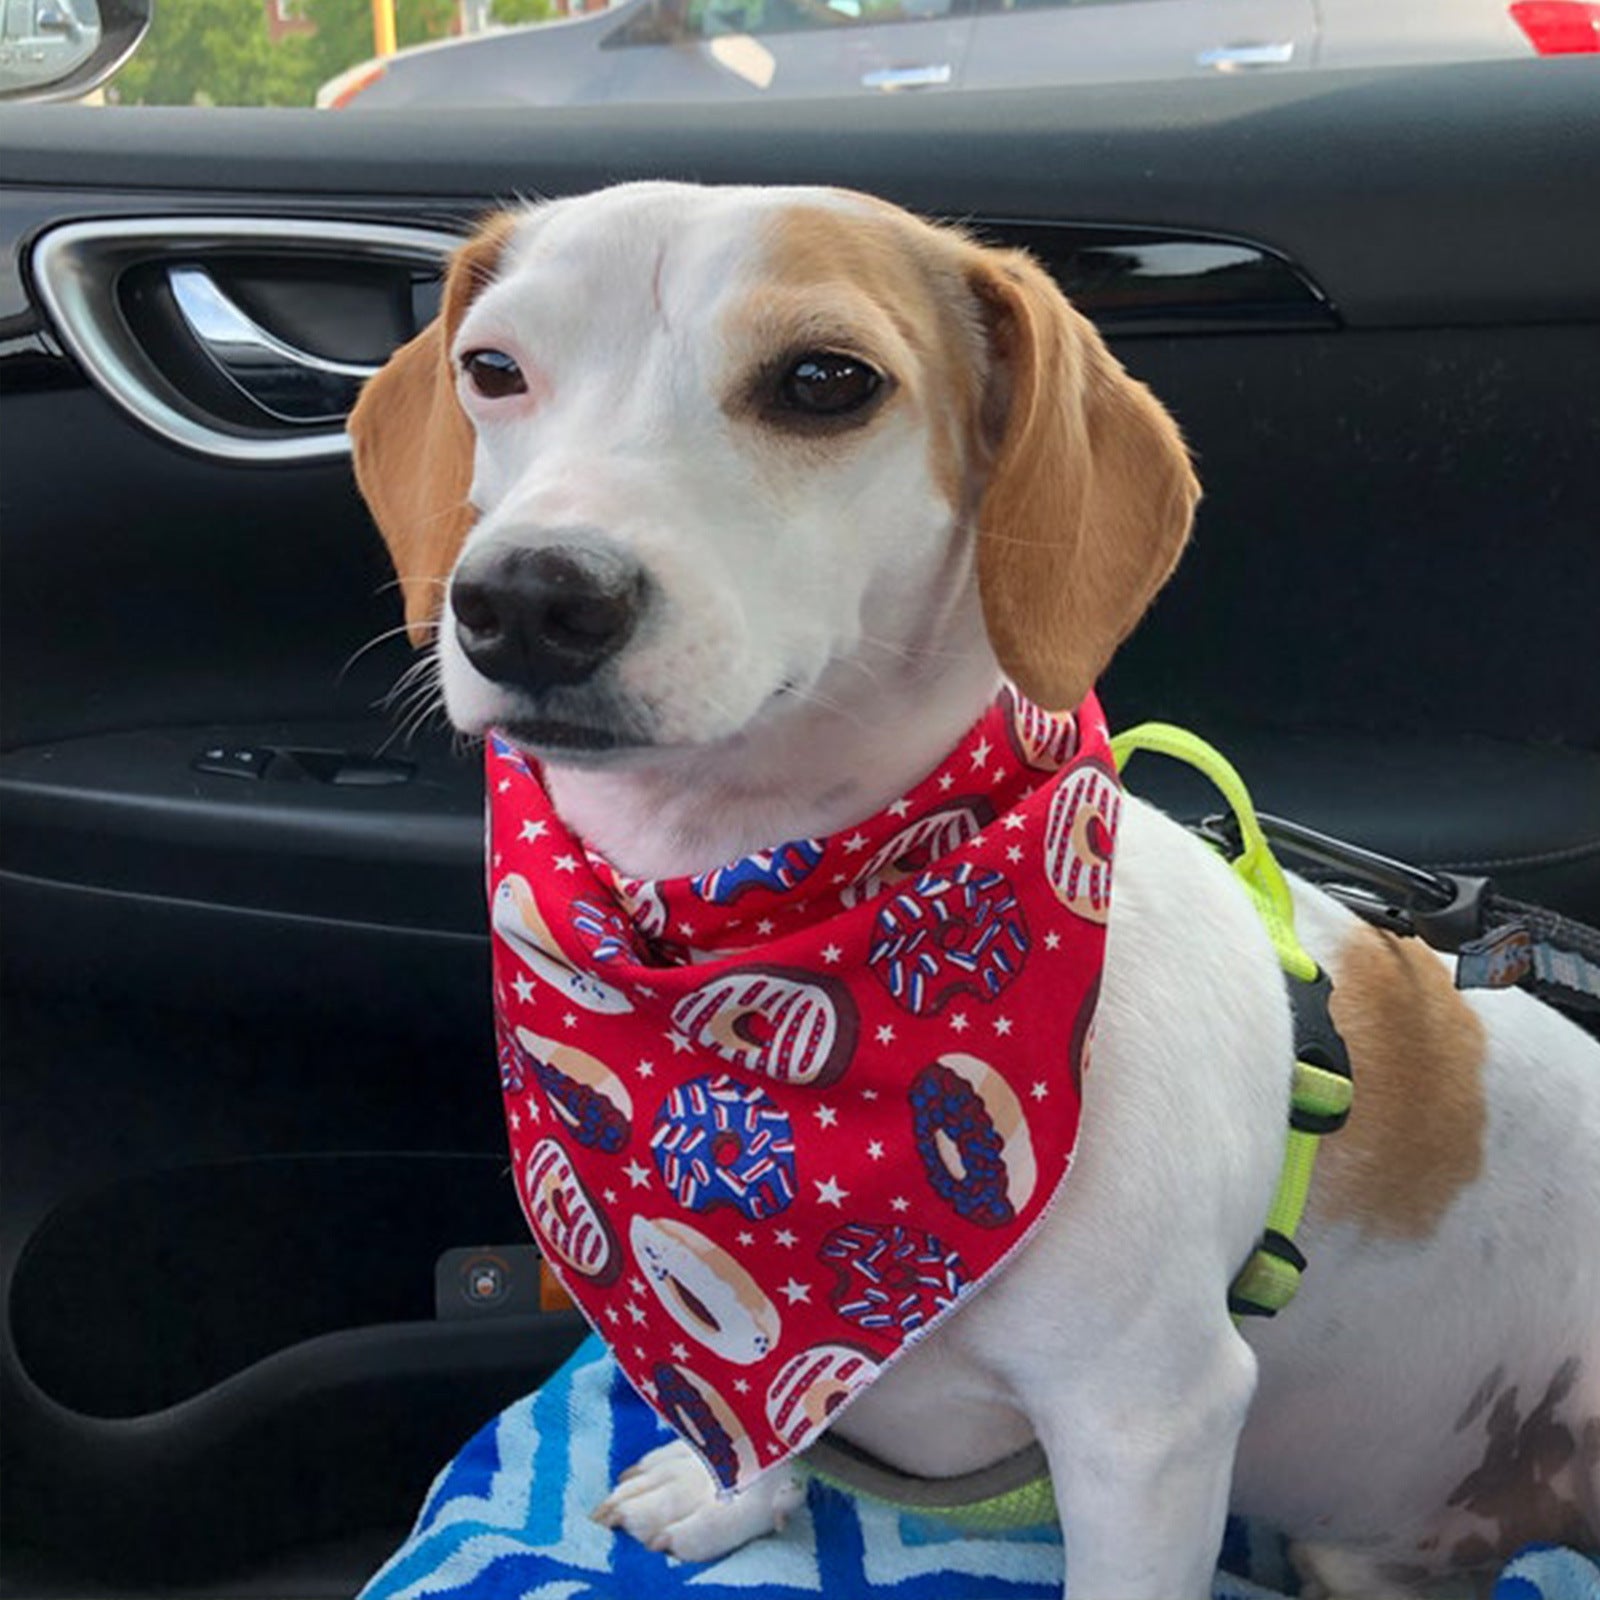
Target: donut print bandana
(771, 1123)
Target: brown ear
(413, 443)
(1090, 494)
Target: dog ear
(413, 444)
(1089, 496)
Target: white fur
(817, 646)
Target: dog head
(670, 455)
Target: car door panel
(248, 1008)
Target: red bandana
(772, 1123)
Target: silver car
(689, 50)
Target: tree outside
(221, 52)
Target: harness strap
(1321, 1087)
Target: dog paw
(668, 1502)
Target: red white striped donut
(1044, 740)
(812, 1386)
(1078, 838)
(566, 1217)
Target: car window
(553, 52)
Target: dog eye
(493, 374)
(824, 383)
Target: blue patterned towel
(509, 1518)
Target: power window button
(234, 761)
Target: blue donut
(719, 1142)
(942, 1101)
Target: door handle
(289, 384)
(1231, 57)
(892, 78)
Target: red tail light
(1560, 27)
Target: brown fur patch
(1416, 1133)
(889, 287)
(1525, 1483)
(1079, 481)
(413, 443)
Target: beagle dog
(734, 506)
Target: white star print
(678, 1042)
(827, 1116)
(646, 1069)
(886, 1034)
(502, 786)
(875, 1150)
(1014, 853)
(959, 1022)
(831, 953)
(638, 1175)
(566, 863)
(869, 1094)
(946, 781)
(900, 1203)
(612, 1314)
(747, 1237)
(516, 1121)
(900, 808)
(1040, 1090)
(1052, 940)
(686, 929)
(679, 1352)
(636, 1312)
(647, 1388)
(765, 926)
(980, 753)
(796, 1293)
(1002, 1026)
(532, 831)
(570, 1020)
(1015, 820)
(740, 1386)
(785, 1238)
(523, 987)
(609, 1196)
(830, 1194)
(856, 841)
(636, 1284)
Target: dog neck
(805, 770)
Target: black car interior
(250, 1103)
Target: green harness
(1016, 1492)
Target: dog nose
(536, 619)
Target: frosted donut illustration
(1078, 836)
(917, 847)
(777, 870)
(956, 931)
(970, 1130)
(515, 1067)
(891, 1279)
(706, 1421)
(518, 921)
(1043, 740)
(566, 1217)
(719, 1142)
(795, 1026)
(642, 901)
(608, 934)
(812, 1386)
(584, 1093)
(709, 1295)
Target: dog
(734, 507)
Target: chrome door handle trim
(930, 76)
(1229, 57)
(74, 269)
(292, 385)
